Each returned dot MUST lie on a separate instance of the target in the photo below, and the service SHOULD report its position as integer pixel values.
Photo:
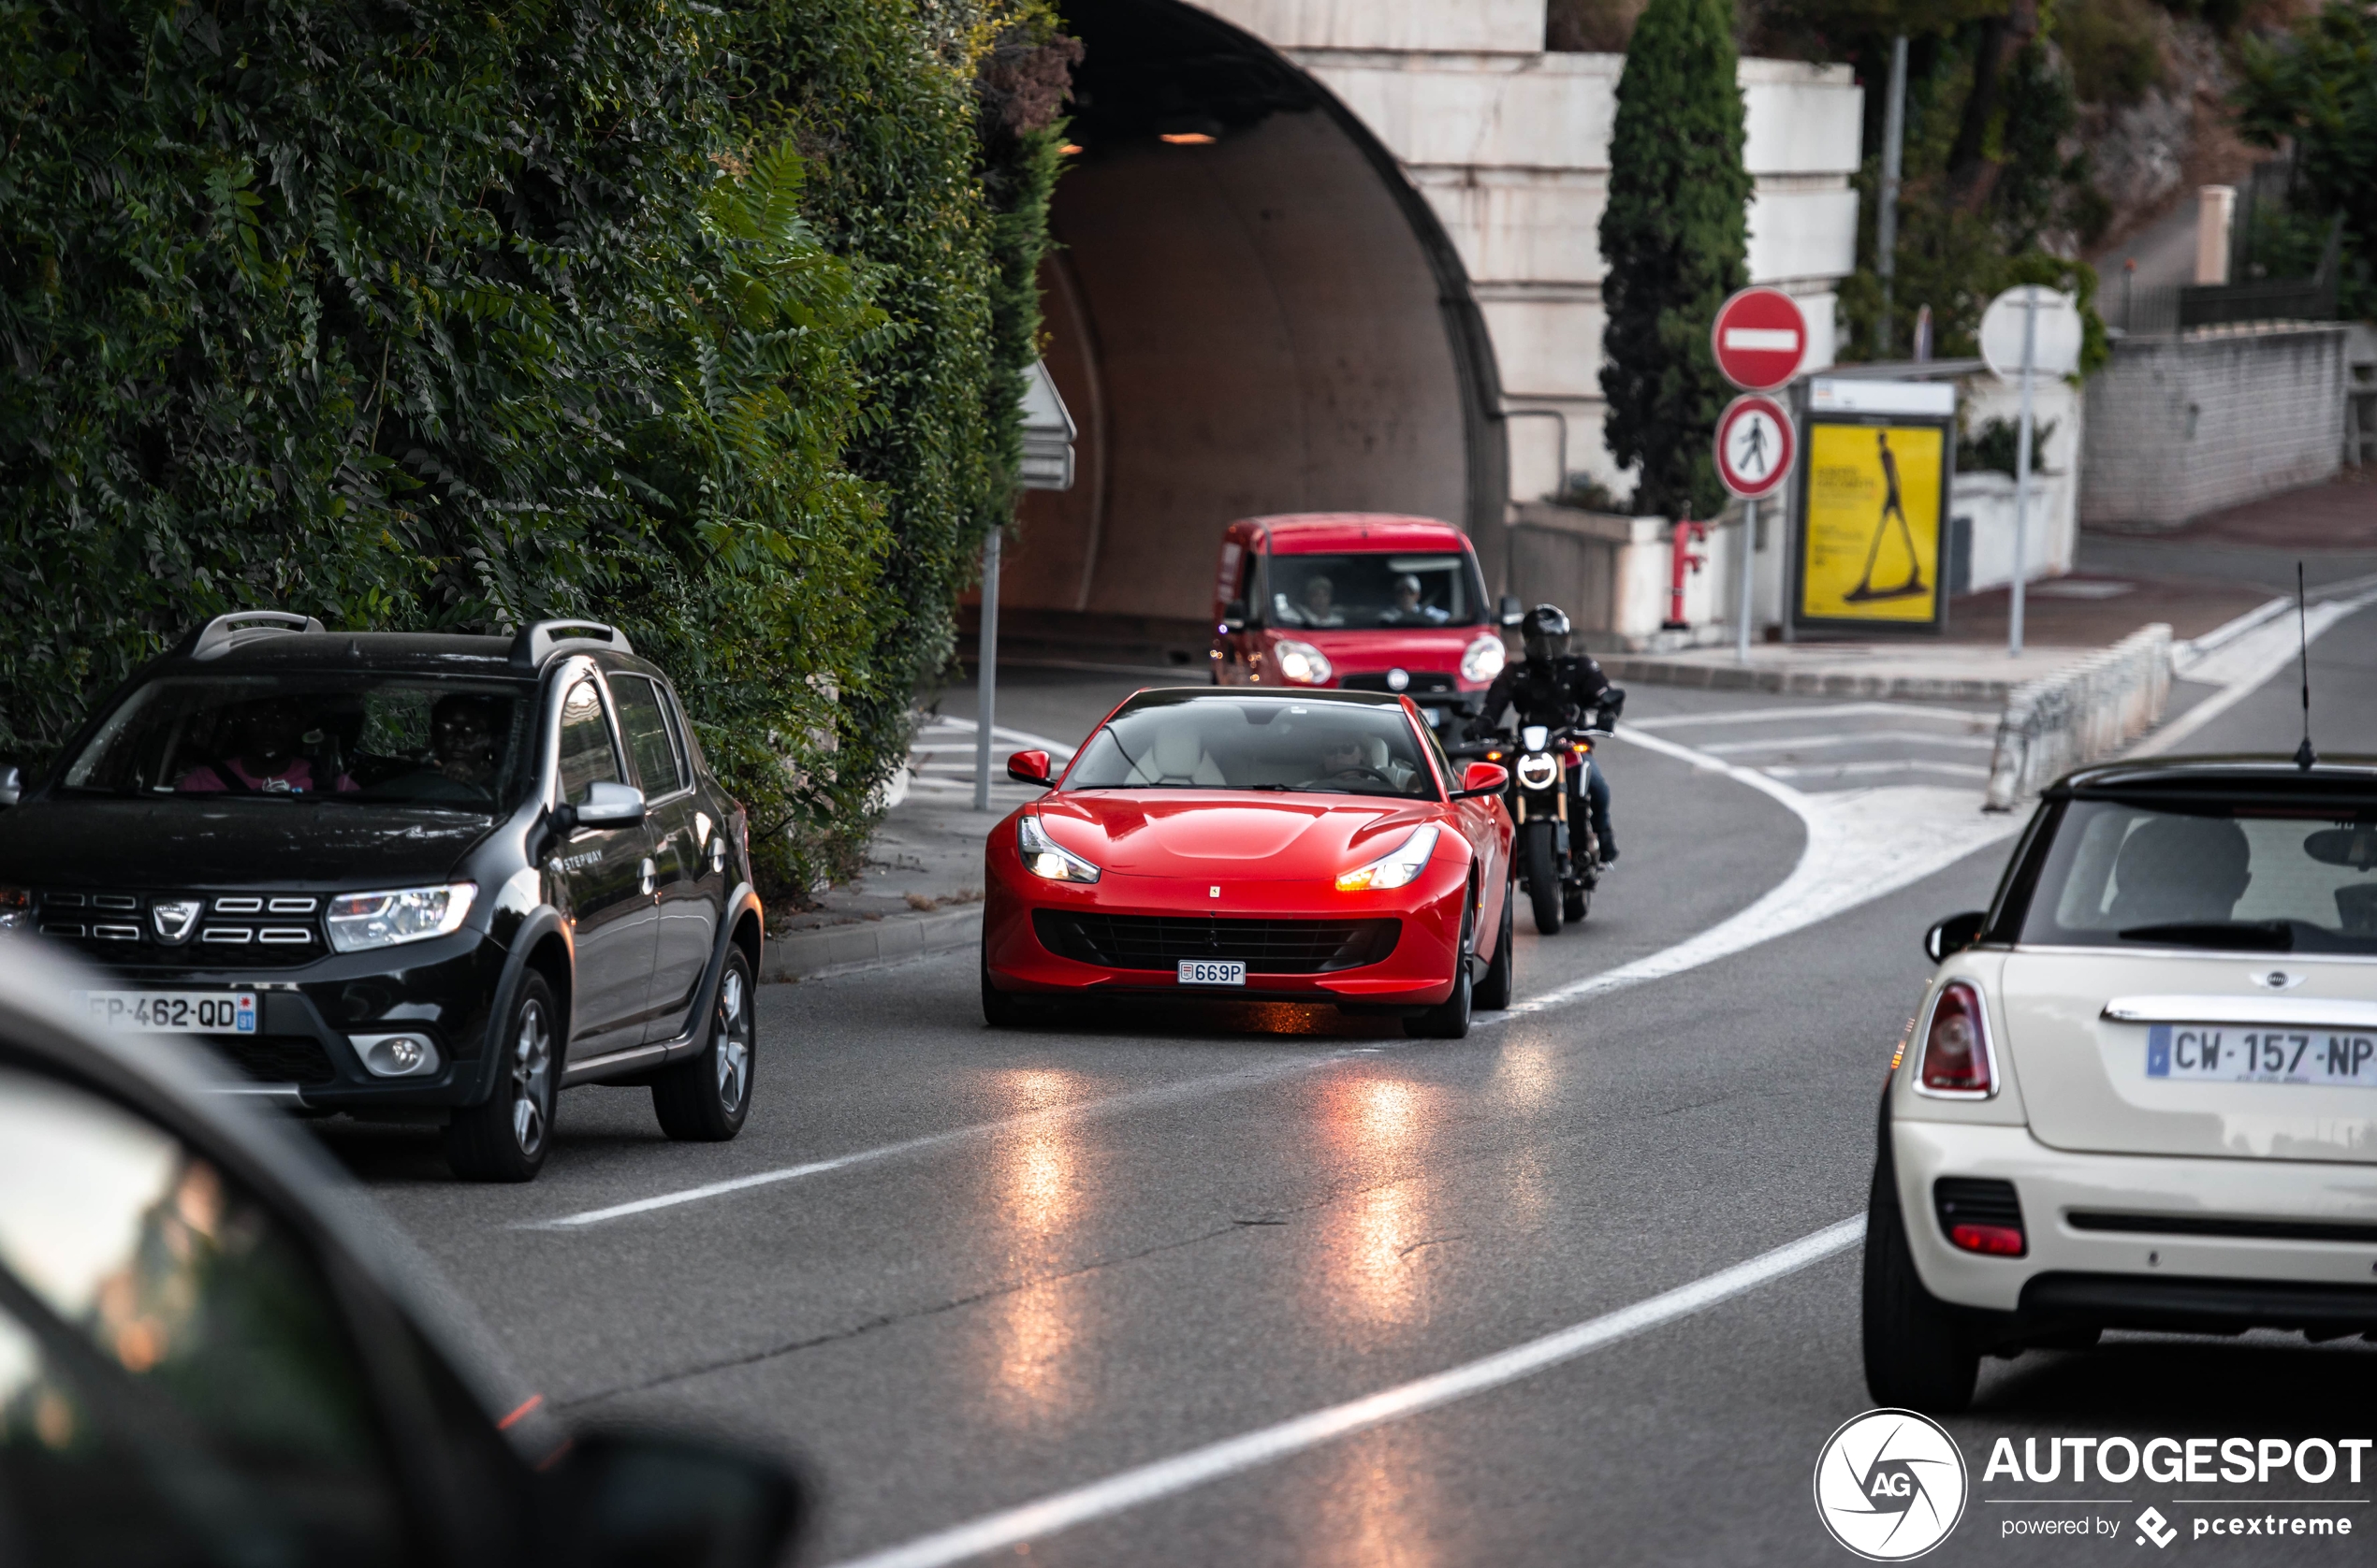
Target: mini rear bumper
(2147, 1242)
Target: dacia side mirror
(622, 1499)
(1511, 611)
(12, 787)
(1482, 779)
(1233, 615)
(606, 805)
(1029, 768)
(1954, 934)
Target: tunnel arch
(1258, 315)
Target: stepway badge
(1891, 1485)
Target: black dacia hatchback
(407, 877)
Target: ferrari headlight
(1397, 868)
(1302, 664)
(358, 921)
(1044, 857)
(1482, 659)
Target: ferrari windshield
(2250, 877)
(456, 745)
(1371, 590)
(1255, 743)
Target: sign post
(2026, 330)
(1048, 465)
(1755, 447)
(1759, 338)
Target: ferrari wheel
(1001, 1010)
(1543, 878)
(1449, 1020)
(1493, 991)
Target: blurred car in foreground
(213, 1355)
(2142, 1091)
(1273, 846)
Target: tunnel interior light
(1186, 139)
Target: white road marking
(1851, 737)
(1828, 710)
(2241, 664)
(1129, 1489)
(1861, 769)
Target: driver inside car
(1352, 759)
(463, 744)
(264, 759)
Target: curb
(1805, 683)
(836, 950)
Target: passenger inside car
(1315, 606)
(2175, 870)
(264, 757)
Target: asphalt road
(985, 1268)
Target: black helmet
(1545, 631)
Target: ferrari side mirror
(1482, 779)
(1029, 768)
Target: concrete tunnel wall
(1248, 327)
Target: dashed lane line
(1130, 1489)
(1850, 738)
(1829, 710)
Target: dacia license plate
(1211, 971)
(2262, 1054)
(151, 1013)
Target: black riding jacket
(1558, 693)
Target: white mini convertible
(2141, 1092)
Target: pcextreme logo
(1891, 1485)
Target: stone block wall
(2181, 425)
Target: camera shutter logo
(1891, 1485)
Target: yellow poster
(1872, 545)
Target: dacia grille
(256, 928)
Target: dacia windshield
(331, 739)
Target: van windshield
(455, 746)
(1368, 591)
(2250, 877)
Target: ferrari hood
(1198, 833)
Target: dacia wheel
(505, 1136)
(705, 1098)
(1919, 1353)
(1449, 1020)
(1493, 992)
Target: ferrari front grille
(1266, 947)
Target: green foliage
(416, 314)
(2318, 88)
(1997, 448)
(2114, 47)
(1673, 236)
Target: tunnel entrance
(1251, 312)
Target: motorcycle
(1557, 860)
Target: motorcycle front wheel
(1542, 860)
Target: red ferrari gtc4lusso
(1307, 846)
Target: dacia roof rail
(223, 633)
(535, 644)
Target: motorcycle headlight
(1537, 770)
(1482, 659)
(1302, 664)
(360, 920)
(1395, 868)
(1535, 736)
(1044, 857)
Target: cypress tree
(1673, 237)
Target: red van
(1366, 600)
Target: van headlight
(1302, 664)
(1044, 857)
(1397, 867)
(361, 920)
(1482, 659)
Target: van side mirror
(1233, 615)
(12, 787)
(1029, 768)
(1954, 934)
(1482, 779)
(1511, 611)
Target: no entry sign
(1760, 337)
(1754, 447)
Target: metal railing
(2159, 309)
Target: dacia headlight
(1396, 869)
(359, 921)
(1044, 857)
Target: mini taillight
(1997, 1240)
(1956, 1058)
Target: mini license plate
(1211, 971)
(201, 1012)
(2250, 1054)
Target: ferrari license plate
(1211, 971)
(203, 1013)
(2230, 1053)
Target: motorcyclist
(1554, 687)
